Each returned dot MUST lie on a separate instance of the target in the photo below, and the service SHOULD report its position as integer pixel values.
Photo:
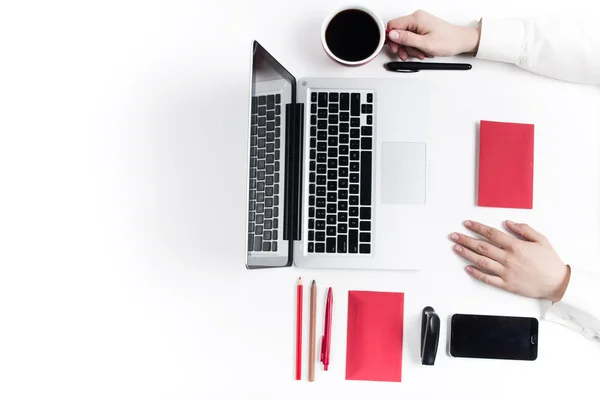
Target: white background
(123, 129)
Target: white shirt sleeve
(561, 49)
(579, 309)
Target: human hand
(421, 35)
(526, 264)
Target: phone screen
(487, 336)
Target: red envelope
(375, 330)
(505, 165)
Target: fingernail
(509, 222)
(458, 249)
(394, 35)
(468, 224)
(454, 236)
(469, 269)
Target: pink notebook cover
(505, 165)
(375, 333)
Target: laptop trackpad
(403, 173)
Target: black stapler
(430, 335)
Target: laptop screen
(268, 74)
(272, 97)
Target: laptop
(337, 171)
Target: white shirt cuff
(501, 40)
(577, 309)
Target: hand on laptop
(526, 264)
(421, 35)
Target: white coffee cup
(353, 31)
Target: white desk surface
(122, 203)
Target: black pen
(413, 66)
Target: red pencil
(299, 331)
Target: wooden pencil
(313, 328)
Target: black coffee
(352, 35)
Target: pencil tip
(314, 282)
(300, 281)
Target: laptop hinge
(293, 171)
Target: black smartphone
(489, 336)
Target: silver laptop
(337, 171)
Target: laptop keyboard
(265, 152)
(340, 173)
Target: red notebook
(375, 330)
(505, 165)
